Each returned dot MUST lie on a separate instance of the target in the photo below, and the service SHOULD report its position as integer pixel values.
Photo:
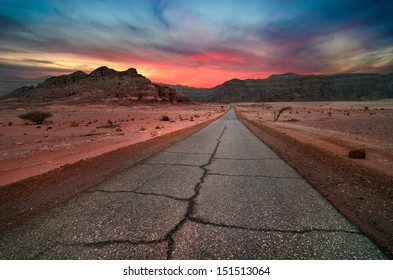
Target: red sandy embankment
(316, 143)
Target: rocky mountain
(194, 94)
(293, 87)
(10, 83)
(101, 84)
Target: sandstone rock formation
(294, 87)
(101, 84)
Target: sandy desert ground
(336, 127)
(77, 132)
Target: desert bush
(165, 118)
(37, 116)
(109, 126)
(277, 114)
(357, 153)
(74, 124)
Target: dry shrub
(74, 124)
(36, 117)
(277, 114)
(165, 118)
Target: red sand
(349, 125)
(76, 132)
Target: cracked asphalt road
(219, 194)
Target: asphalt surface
(219, 194)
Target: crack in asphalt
(255, 176)
(191, 205)
(140, 193)
(256, 159)
(172, 164)
(187, 153)
(101, 244)
(224, 158)
(161, 195)
(266, 230)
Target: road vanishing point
(218, 194)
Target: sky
(196, 43)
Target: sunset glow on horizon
(196, 43)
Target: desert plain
(79, 131)
(336, 127)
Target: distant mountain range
(103, 84)
(10, 83)
(294, 87)
(194, 94)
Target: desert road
(218, 194)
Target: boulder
(357, 153)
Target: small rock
(357, 153)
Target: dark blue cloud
(158, 9)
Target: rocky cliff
(101, 84)
(293, 87)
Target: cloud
(37, 61)
(229, 38)
(29, 71)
